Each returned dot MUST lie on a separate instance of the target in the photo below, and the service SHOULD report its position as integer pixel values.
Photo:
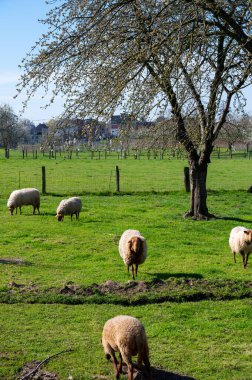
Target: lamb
(240, 241)
(133, 250)
(69, 206)
(23, 197)
(126, 335)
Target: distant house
(125, 120)
(115, 125)
(38, 133)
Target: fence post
(117, 179)
(43, 180)
(187, 179)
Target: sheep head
(248, 236)
(60, 217)
(135, 245)
(11, 209)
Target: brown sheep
(133, 250)
(240, 241)
(126, 335)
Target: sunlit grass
(205, 340)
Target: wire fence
(58, 182)
(81, 174)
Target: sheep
(240, 241)
(69, 206)
(23, 197)
(133, 250)
(126, 335)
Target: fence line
(58, 182)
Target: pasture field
(194, 301)
(82, 175)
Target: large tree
(9, 127)
(147, 54)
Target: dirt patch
(22, 287)
(111, 287)
(38, 375)
(14, 261)
(131, 292)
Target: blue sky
(19, 30)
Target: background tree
(9, 127)
(236, 129)
(143, 55)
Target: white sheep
(126, 335)
(240, 241)
(133, 249)
(69, 206)
(23, 197)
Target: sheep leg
(133, 275)
(119, 367)
(34, 208)
(247, 259)
(136, 269)
(71, 217)
(234, 257)
(20, 209)
(243, 259)
(130, 371)
(114, 362)
(143, 357)
(127, 359)
(148, 367)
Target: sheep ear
(246, 232)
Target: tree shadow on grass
(233, 218)
(157, 374)
(166, 276)
(15, 262)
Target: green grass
(82, 175)
(205, 340)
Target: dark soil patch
(38, 375)
(130, 292)
(131, 288)
(14, 261)
(111, 287)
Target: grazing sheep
(240, 241)
(23, 197)
(132, 249)
(126, 335)
(69, 206)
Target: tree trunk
(198, 198)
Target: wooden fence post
(187, 179)
(117, 179)
(43, 180)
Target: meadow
(198, 321)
